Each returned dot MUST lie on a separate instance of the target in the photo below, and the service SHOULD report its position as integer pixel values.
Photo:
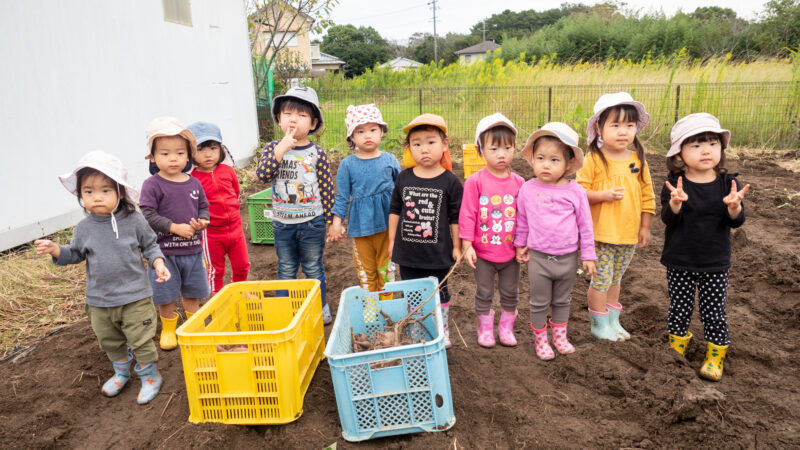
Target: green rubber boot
(600, 327)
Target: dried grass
(36, 296)
(788, 159)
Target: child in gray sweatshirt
(112, 240)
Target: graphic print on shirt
(420, 220)
(296, 190)
(497, 219)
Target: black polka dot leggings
(712, 289)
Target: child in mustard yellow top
(622, 201)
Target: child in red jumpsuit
(224, 235)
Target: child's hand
(288, 141)
(734, 199)
(335, 232)
(161, 271)
(613, 195)
(456, 253)
(677, 195)
(199, 224)
(470, 256)
(183, 230)
(644, 237)
(522, 255)
(589, 268)
(46, 246)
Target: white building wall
(82, 75)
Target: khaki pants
(128, 326)
(371, 257)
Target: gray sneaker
(326, 314)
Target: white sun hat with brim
(563, 133)
(692, 125)
(169, 126)
(489, 122)
(616, 99)
(103, 162)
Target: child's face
(99, 195)
(498, 155)
(367, 137)
(701, 156)
(171, 154)
(427, 147)
(207, 156)
(298, 121)
(549, 163)
(618, 132)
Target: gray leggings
(552, 278)
(507, 284)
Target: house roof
(325, 58)
(483, 47)
(401, 62)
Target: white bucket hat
(610, 100)
(361, 114)
(492, 121)
(106, 163)
(169, 126)
(563, 133)
(692, 125)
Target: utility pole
(435, 36)
(484, 30)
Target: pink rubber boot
(543, 349)
(560, 338)
(505, 330)
(486, 329)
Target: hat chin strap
(114, 219)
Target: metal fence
(763, 115)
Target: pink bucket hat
(610, 100)
(361, 114)
(488, 122)
(563, 133)
(106, 163)
(169, 126)
(694, 124)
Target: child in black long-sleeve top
(700, 203)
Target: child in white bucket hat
(364, 182)
(112, 240)
(302, 188)
(620, 191)
(176, 208)
(700, 203)
(486, 225)
(553, 223)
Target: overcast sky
(397, 20)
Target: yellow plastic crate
(473, 162)
(249, 353)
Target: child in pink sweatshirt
(553, 221)
(486, 227)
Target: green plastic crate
(259, 208)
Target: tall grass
(758, 101)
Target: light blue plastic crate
(413, 396)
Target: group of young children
(420, 218)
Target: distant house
(322, 63)
(400, 64)
(294, 29)
(477, 52)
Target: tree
(281, 21)
(420, 46)
(523, 23)
(360, 47)
(780, 29)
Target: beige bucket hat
(488, 122)
(694, 124)
(563, 133)
(610, 100)
(169, 126)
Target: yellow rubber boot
(169, 340)
(680, 343)
(188, 314)
(712, 366)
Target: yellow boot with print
(680, 343)
(712, 366)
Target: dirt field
(638, 393)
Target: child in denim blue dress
(302, 188)
(365, 181)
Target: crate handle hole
(208, 320)
(439, 401)
(393, 295)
